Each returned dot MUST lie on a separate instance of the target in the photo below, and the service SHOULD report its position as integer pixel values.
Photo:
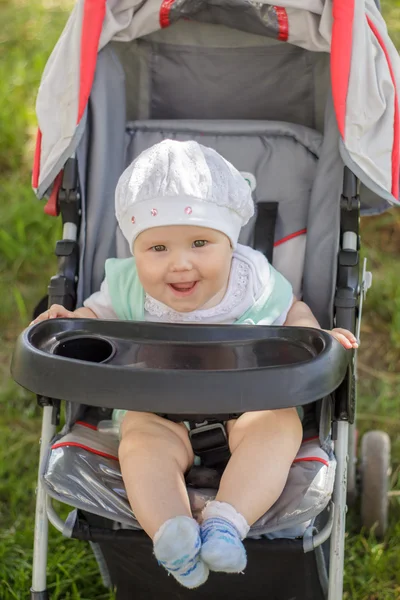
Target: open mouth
(183, 289)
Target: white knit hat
(182, 183)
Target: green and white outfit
(257, 295)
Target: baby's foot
(222, 549)
(177, 548)
(221, 533)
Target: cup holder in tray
(92, 348)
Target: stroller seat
(82, 470)
(279, 161)
(284, 164)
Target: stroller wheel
(375, 473)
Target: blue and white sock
(221, 532)
(177, 548)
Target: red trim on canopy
(396, 123)
(283, 23)
(93, 16)
(165, 9)
(51, 208)
(341, 46)
(290, 237)
(92, 23)
(36, 160)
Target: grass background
(29, 31)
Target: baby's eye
(199, 243)
(158, 248)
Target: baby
(181, 206)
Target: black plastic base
(277, 570)
(39, 595)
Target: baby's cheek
(147, 275)
(220, 270)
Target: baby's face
(184, 267)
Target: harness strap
(264, 230)
(210, 442)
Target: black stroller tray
(178, 369)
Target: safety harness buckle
(210, 443)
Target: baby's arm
(57, 311)
(97, 306)
(300, 315)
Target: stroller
(302, 99)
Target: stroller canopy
(364, 72)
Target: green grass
(27, 238)
(29, 30)
(373, 568)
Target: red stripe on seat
(290, 237)
(88, 425)
(396, 125)
(311, 459)
(341, 46)
(165, 9)
(83, 447)
(93, 16)
(111, 456)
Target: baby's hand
(55, 310)
(345, 337)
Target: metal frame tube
(313, 541)
(41, 522)
(53, 517)
(336, 564)
(70, 231)
(352, 465)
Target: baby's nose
(181, 262)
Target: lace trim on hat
(238, 282)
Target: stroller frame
(352, 30)
(348, 303)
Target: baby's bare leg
(154, 454)
(263, 446)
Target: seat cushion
(82, 469)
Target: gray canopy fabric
(364, 71)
